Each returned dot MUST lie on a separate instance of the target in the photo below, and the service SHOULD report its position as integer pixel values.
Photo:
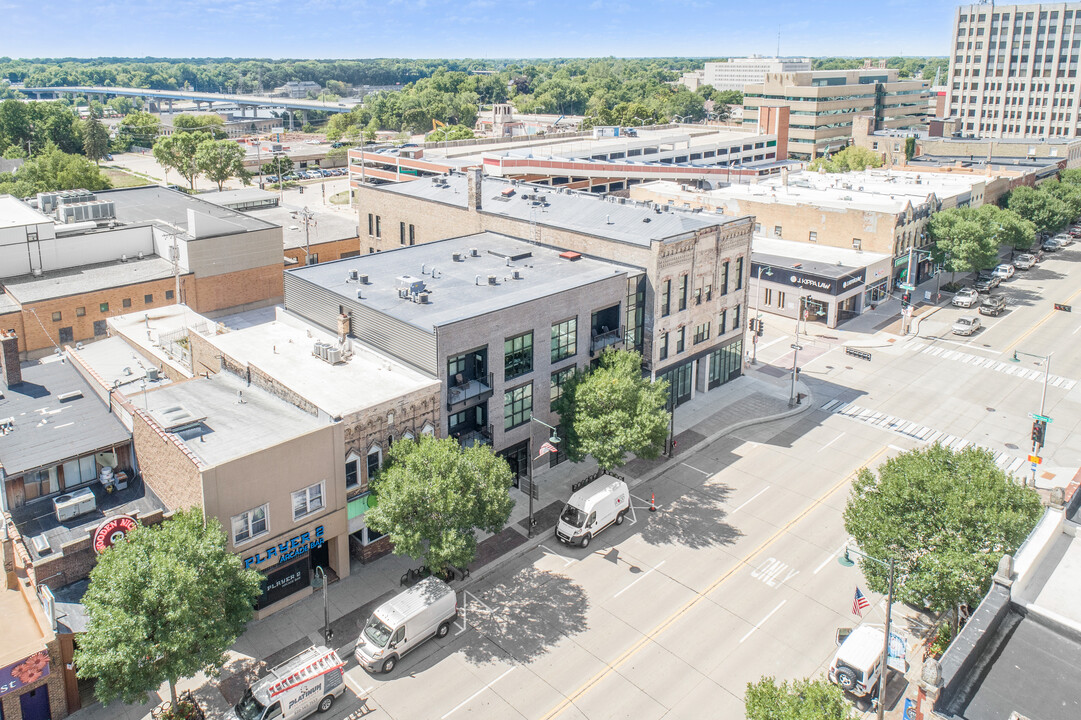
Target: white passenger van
(295, 689)
(858, 661)
(592, 509)
(404, 622)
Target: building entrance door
(321, 557)
(35, 704)
(517, 456)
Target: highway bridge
(168, 96)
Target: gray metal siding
(390, 335)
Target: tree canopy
(36, 124)
(451, 132)
(177, 152)
(163, 604)
(806, 699)
(220, 160)
(851, 158)
(435, 494)
(945, 517)
(137, 128)
(53, 169)
(1039, 206)
(212, 124)
(613, 410)
(95, 139)
(967, 239)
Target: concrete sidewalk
(747, 400)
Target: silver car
(966, 325)
(965, 298)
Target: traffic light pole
(1039, 426)
(757, 314)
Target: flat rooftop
(283, 350)
(816, 259)
(581, 212)
(454, 292)
(15, 213)
(119, 365)
(88, 278)
(154, 203)
(56, 416)
(326, 226)
(22, 634)
(223, 428)
(240, 196)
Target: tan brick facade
(326, 251)
(168, 467)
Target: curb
(537, 540)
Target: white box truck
(592, 509)
(405, 621)
(295, 689)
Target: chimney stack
(473, 188)
(9, 359)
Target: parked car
(1065, 240)
(271, 178)
(405, 621)
(993, 305)
(858, 661)
(966, 325)
(1050, 245)
(1004, 271)
(1024, 261)
(987, 284)
(965, 298)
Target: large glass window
(559, 377)
(662, 353)
(80, 471)
(682, 292)
(308, 500)
(517, 406)
(564, 339)
(352, 470)
(455, 366)
(666, 298)
(681, 340)
(37, 484)
(724, 278)
(518, 355)
(739, 273)
(701, 333)
(374, 462)
(250, 524)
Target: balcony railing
(477, 436)
(603, 339)
(468, 392)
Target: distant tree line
(908, 67)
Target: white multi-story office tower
(734, 73)
(1013, 70)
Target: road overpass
(168, 96)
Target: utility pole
(793, 399)
(308, 218)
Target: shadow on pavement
(695, 519)
(526, 614)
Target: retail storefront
(704, 371)
(288, 561)
(818, 284)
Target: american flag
(859, 603)
(547, 448)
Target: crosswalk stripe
(830, 404)
(933, 437)
(1016, 464)
(1057, 381)
(1068, 385)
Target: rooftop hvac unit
(422, 298)
(353, 274)
(410, 284)
(517, 274)
(317, 349)
(75, 504)
(457, 257)
(491, 279)
(49, 201)
(474, 252)
(363, 279)
(334, 355)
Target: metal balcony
(468, 392)
(603, 339)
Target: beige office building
(823, 105)
(1013, 70)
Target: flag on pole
(859, 603)
(546, 448)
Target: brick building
(71, 260)
(690, 302)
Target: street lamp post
(322, 575)
(757, 313)
(847, 562)
(1036, 447)
(552, 438)
(792, 398)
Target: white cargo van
(858, 660)
(592, 509)
(295, 689)
(404, 622)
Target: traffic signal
(1039, 429)
(906, 298)
(752, 324)
(761, 327)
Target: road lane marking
(692, 467)
(478, 692)
(770, 572)
(828, 559)
(549, 551)
(465, 611)
(745, 503)
(648, 637)
(640, 579)
(762, 621)
(1032, 328)
(831, 442)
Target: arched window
(428, 429)
(352, 470)
(407, 435)
(375, 461)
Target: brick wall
(58, 703)
(168, 467)
(372, 551)
(204, 356)
(372, 426)
(326, 251)
(254, 287)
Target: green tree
(138, 128)
(95, 139)
(212, 124)
(278, 166)
(1043, 209)
(851, 158)
(450, 132)
(122, 105)
(435, 494)
(220, 160)
(910, 147)
(1009, 228)
(945, 517)
(177, 152)
(53, 169)
(964, 241)
(613, 410)
(163, 604)
(805, 699)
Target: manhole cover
(989, 409)
(849, 367)
(1011, 446)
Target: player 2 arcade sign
(290, 549)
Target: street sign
(1033, 467)
(903, 286)
(1035, 459)
(795, 346)
(1063, 308)
(1034, 416)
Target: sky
(473, 28)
